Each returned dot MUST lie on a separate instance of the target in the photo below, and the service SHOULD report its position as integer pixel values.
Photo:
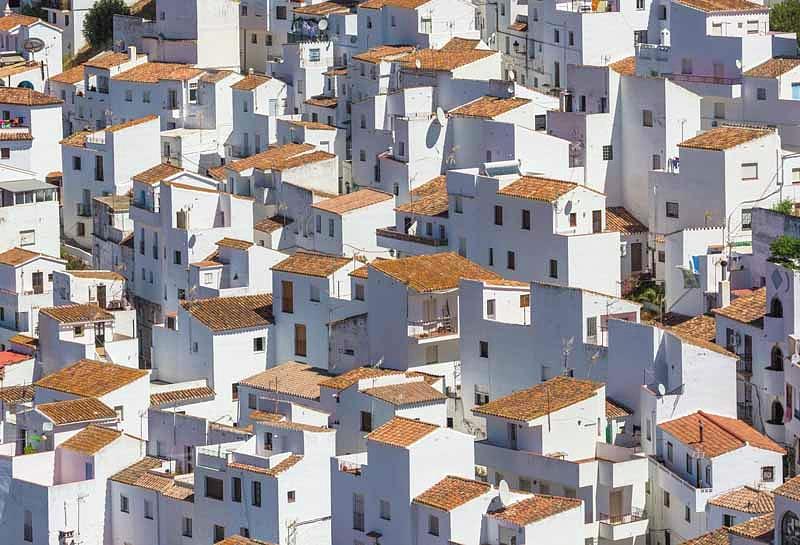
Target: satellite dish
(323, 24)
(505, 493)
(511, 75)
(33, 45)
(661, 390)
(440, 117)
(418, 64)
(739, 64)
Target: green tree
(786, 206)
(786, 251)
(98, 27)
(785, 16)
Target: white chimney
(724, 293)
(132, 52)
(250, 72)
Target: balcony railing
(634, 516)
(424, 329)
(694, 78)
(301, 37)
(744, 411)
(392, 232)
(84, 210)
(745, 364)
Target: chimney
(132, 52)
(724, 293)
(250, 72)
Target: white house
(17, 30)
(30, 209)
(112, 225)
(31, 129)
(257, 102)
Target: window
(359, 292)
(287, 296)
(291, 496)
(331, 227)
(525, 300)
(573, 219)
(796, 175)
(666, 499)
(219, 533)
(525, 484)
(687, 513)
(556, 35)
(728, 521)
(146, 100)
(300, 340)
(256, 493)
(236, 489)
(571, 38)
(656, 161)
(124, 504)
(672, 209)
(689, 464)
(244, 532)
(88, 470)
(511, 260)
(608, 153)
(776, 308)
(193, 93)
(268, 440)
(490, 308)
(313, 293)
(708, 475)
(362, 155)
(647, 118)
(669, 451)
(76, 163)
(483, 348)
(481, 395)
(77, 331)
(385, 509)
(80, 229)
(27, 529)
(458, 204)
(313, 55)
(186, 527)
(358, 512)
(491, 257)
(686, 66)
(553, 273)
(526, 220)
(749, 171)
(214, 488)
(498, 215)
(639, 36)
(433, 525)
(252, 401)
(768, 474)
(719, 110)
(27, 238)
(761, 93)
(254, 38)
(747, 219)
(280, 12)
(177, 257)
(258, 344)
(366, 421)
(148, 509)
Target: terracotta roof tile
(519, 26)
(275, 420)
(76, 139)
(773, 68)
(459, 44)
(361, 272)
(335, 71)
(311, 264)
(292, 378)
(311, 125)
(531, 403)
(269, 225)
(444, 60)
(720, 434)
(153, 72)
(107, 59)
(402, 4)
(624, 67)
(747, 309)
(133, 472)
(289, 462)
(790, 489)
(143, 474)
(216, 76)
(349, 202)
(327, 8)
(91, 439)
(534, 509)
(8, 357)
(280, 158)
(12, 20)
(77, 314)
(179, 397)
(236, 539)
(99, 275)
(435, 272)
(250, 82)
(24, 340)
(616, 410)
(17, 394)
(699, 331)
(757, 527)
(19, 68)
(116, 203)
(714, 537)
(429, 199)
(620, 220)
(17, 256)
(722, 138)
(409, 393)
(82, 409)
(383, 53)
(90, 378)
(130, 123)
(230, 313)
(724, 5)
(235, 243)
(746, 499)
(489, 107)
(452, 492)
(26, 97)
(401, 432)
(537, 189)
(157, 173)
(352, 376)
(321, 101)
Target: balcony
(679, 488)
(626, 526)
(697, 78)
(84, 209)
(307, 37)
(744, 365)
(744, 411)
(435, 329)
(408, 243)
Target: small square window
(768, 474)
(672, 209)
(608, 153)
(666, 499)
(258, 344)
(647, 118)
(291, 496)
(483, 347)
(761, 93)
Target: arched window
(776, 359)
(777, 415)
(776, 308)
(25, 85)
(790, 529)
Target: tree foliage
(98, 27)
(785, 250)
(786, 206)
(785, 16)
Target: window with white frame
(749, 171)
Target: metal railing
(693, 78)
(744, 411)
(634, 516)
(392, 232)
(745, 364)
(445, 325)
